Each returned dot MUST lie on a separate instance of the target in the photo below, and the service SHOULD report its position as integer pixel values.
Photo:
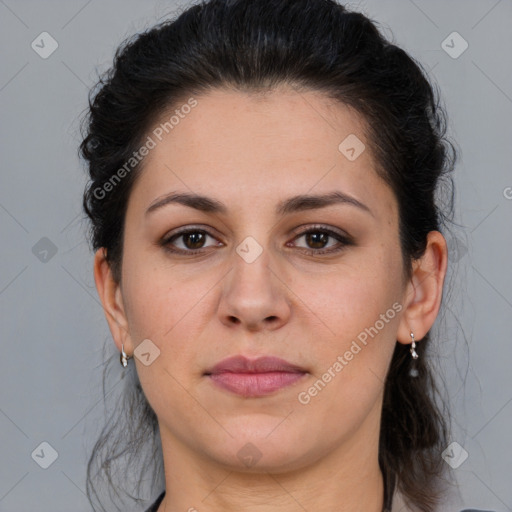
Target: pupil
(195, 240)
(313, 239)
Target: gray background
(52, 325)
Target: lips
(254, 377)
(241, 364)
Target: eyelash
(344, 240)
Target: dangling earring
(413, 348)
(124, 357)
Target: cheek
(351, 298)
(352, 355)
(158, 299)
(354, 317)
(163, 308)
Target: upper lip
(265, 364)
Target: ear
(111, 298)
(424, 290)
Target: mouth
(254, 377)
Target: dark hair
(257, 45)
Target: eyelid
(190, 228)
(306, 228)
(165, 241)
(342, 237)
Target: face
(258, 270)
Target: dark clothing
(155, 505)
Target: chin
(261, 449)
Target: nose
(254, 295)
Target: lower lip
(255, 384)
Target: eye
(187, 241)
(321, 240)
(318, 240)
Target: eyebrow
(291, 205)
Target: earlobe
(425, 289)
(111, 298)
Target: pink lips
(254, 377)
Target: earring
(124, 357)
(413, 348)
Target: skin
(252, 152)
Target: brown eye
(188, 241)
(317, 239)
(194, 240)
(322, 241)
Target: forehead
(295, 122)
(280, 142)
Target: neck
(346, 479)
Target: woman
(263, 190)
